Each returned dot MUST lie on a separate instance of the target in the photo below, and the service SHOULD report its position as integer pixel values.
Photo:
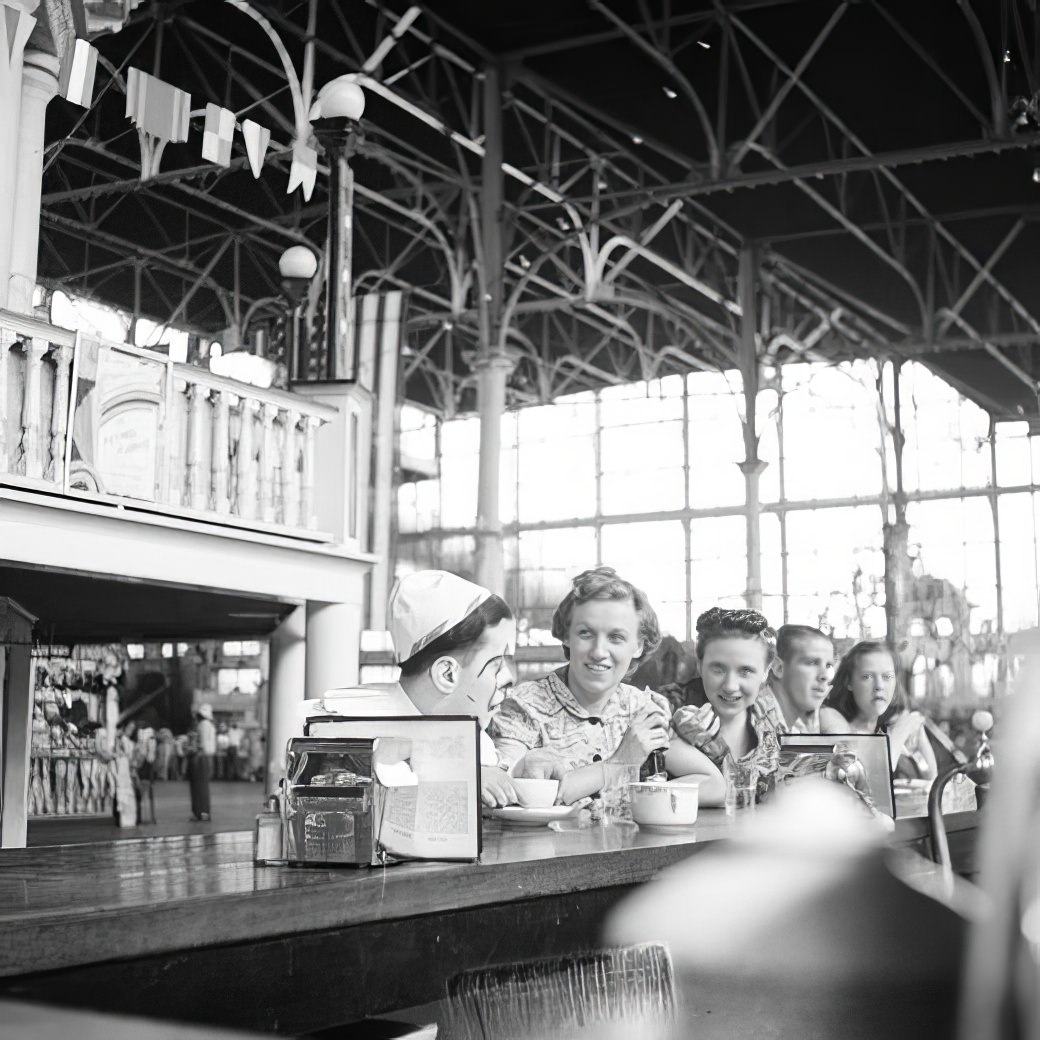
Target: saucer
(666, 827)
(518, 816)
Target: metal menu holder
(860, 761)
(369, 791)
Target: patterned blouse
(545, 714)
(700, 726)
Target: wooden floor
(234, 805)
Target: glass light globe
(297, 262)
(339, 98)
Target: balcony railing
(105, 421)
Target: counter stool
(578, 995)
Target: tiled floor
(234, 805)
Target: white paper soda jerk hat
(425, 605)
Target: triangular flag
(17, 27)
(76, 83)
(304, 170)
(257, 139)
(218, 134)
(157, 107)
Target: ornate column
(39, 85)
(492, 373)
(752, 466)
(492, 367)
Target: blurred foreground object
(623, 993)
(1001, 991)
(799, 929)
(980, 771)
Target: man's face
(807, 673)
(486, 674)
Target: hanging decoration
(218, 134)
(76, 81)
(16, 26)
(304, 169)
(257, 139)
(161, 113)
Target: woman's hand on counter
(496, 788)
(541, 764)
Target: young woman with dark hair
(866, 697)
(735, 649)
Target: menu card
(427, 791)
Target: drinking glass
(617, 803)
(741, 781)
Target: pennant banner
(257, 139)
(16, 26)
(218, 134)
(76, 83)
(157, 107)
(304, 170)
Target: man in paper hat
(454, 642)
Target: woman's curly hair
(604, 583)
(718, 623)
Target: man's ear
(444, 672)
(777, 668)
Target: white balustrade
(290, 468)
(31, 461)
(62, 356)
(224, 450)
(269, 463)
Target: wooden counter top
(62, 906)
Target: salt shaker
(267, 837)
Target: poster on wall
(117, 425)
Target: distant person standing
(221, 760)
(207, 736)
(235, 738)
(200, 762)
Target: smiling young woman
(735, 649)
(572, 722)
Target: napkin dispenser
(330, 803)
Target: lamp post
(335, 117)
(296, 266)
